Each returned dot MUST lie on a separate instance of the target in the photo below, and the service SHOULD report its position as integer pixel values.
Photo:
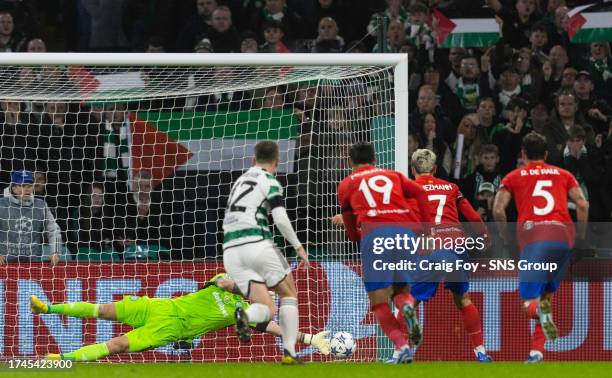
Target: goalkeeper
(160, 321)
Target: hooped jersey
(250, 201)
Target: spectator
(105, 26)
(10, 40)
(222, 34)
(444, 97)
(564, 116)
(568, 78)
(517, 22)
(394, 12)
(509, 86)
(486, 118)
(274, 99)
(24, 223)
(91, 225)
(248, 43)
(36, 45)
(487, 171)
(531, 79)
(139, 214)
(552, 73)
(426, 103)
(413, 145)
(273, 36)
(596, 112)
(328, 40)
(586, 163)
(18, 137)
(600, 67)
(508, 135)
(40, 184)
(116, 153)
(334, 9)
(396, 37)
(455, 56)
(277, 10)
(538, 39)
(472, 84)
(428, 139)
(200, 23)
(419, 33)
(468, 127)
(559, 36)
(484, 201)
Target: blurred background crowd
(531, 78)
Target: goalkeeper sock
(258, 313)
(76, 309)
(472, 325)
(289, 322)
(389, 324)
(538, 339)
(87, 353)
(532, 310)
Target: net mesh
(135, 165)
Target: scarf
(468, 95)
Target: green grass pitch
(327, 370)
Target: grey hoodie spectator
(25, 222)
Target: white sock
(258, 313)
(289, 321)
(480, 349)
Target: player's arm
(348, 217)
(282, 222)
(465, 208)
(413, 190)
(502, 199)
(582, 209)
(319, 340)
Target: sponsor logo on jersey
(220, 304)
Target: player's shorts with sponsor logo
(376, 264)
(155, 321)
(425, 282)
(535, 282)
(260, 262)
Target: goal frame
(398, 61)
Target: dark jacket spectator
(277, 10)
(562, 118)
(91, 224)
(517, 22)
(486, 171)
(198, 24)
(222, 34)
(586, 163)
(10, 39)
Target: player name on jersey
(430, 187)
(540, 171)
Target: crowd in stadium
(532, 79)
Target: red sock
(389, 324)
(532, 310)
(399, 301)
(538, 339)
(472, 324)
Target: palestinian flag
(212, 141)
(466, 32)
(122, 85)
(590, 23)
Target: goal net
(134, 156)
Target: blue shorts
(426, 283)
(534, 283)
(374, 255)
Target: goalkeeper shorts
(259, 262)
(154, 320)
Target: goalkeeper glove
(319, 341)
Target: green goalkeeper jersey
(207, 310)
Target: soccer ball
(343, 345)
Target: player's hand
(321, 342)
(337, 220)
(303, 255)
(54, 259)
(2, 260)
